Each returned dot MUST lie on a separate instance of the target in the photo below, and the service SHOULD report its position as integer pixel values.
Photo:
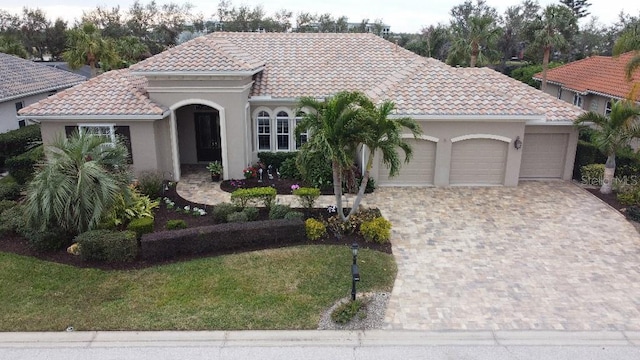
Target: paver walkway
(543, 255)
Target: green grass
(272, 289)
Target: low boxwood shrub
(6, 205)
(279, 211)
(251, 213)
(221, 211)
(21, 167)
(292, 215)
(151, 183)
(592, 174)
(9, 189)
(376, 230)
(237, 217)
(176, 224)
(264, 196)
(48, 239)
(314, 229)
(307, 196)
(222, 237)
(105, 245)
(18, 141)
(140, 226)
(13, 220)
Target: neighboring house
(85, 70)
(592, 83)
(23, 82)
(228, 96)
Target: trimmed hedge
(265, 196)
(9, 190)
(22, 166)
(224, 237)
(141, 226)
(18, 141)
(276, 159)
(105, 245)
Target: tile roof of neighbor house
(290, 65)
(554, 109)
(20, 77)
(603, 75)
(117, 93)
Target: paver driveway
(543, 255)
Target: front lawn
(285, 288)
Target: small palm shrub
(222, 211)
(376, 230)
(105, 245)
(315, 229)
(176, 224)
(307, 196)
(279, 211)
(150, 183)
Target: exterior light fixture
(355, 273)
(517, 143)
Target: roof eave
(36, 92)
(453, 117)
(198, 73)
(97, 117)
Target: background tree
(13, 46)
(478, 43)
(629, 41)
(110, 21)
(34, 27)
(78, 185)
(56, 39)
(130, 50)
(87, 47)
(612, 133)
(578, 7)
(556, 25)
(516, 32)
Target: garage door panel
(419, 171)
(478, 161)
(543, 155)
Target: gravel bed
(376, 305)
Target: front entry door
(208, 143)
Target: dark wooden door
(208, 143)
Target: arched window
(264, 130)
(282, 130)
(304, 136)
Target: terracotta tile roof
(602, 75)
(20, 77)
(116, 92)
(202, 54)
(553, 108)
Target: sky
(402, 15)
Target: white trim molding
(175, 153)
(482, 118)
(481, 136)
(422, 137)
(96, 117)
(199, 89)
(198, 73)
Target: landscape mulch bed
(282, 186)
(610, 199)
(16, 244)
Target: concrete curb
(317, 338)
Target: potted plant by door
(215, 168)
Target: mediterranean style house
(592, 83)
(228, 96)
(23, 82)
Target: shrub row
(22, 166)
(105, 245)
(276, 159)
(223, 237)
(264, 196)
(18, 141)
(9, 189)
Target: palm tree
(629, 41)
(336, 128)
(556, 23)
(131, 50)
(79, 184)
(384, 134)
(482, 35)
(86, 46)
(612, 133)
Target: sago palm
(78, 184)
(612, 133)
(335, 126)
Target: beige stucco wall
(8, 116)
(590, 102)
(143, 139)
(445, 130)
(163, 151)
(572, 144)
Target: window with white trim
(263, 122)
(282, 130)
(607, 107)
(304, 136)
(577, 100)
(106, 130)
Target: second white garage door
(543, 155)
(478, 162)
(419, 171)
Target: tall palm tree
(384, 134)
(612, 133)
(86, 46)
(336, 130)
(629, 41)
(79, 183)
(557, 21)
(478, 43)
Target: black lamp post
(355, 273)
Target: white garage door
(419, 171)
(478, 162)
(543, 155)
